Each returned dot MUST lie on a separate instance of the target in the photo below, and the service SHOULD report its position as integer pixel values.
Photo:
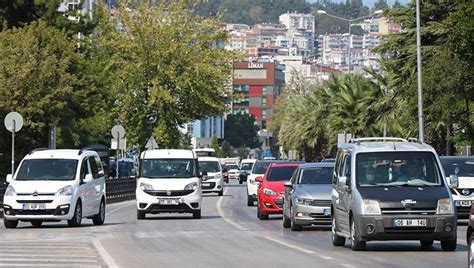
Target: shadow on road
(183, 217)
(49, 225)
(391, 246)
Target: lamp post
(418, 70)
(350, 21)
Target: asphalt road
(228, 235)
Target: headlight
(192, 186)
(218, 176)
(371, 207)
(10, 191)
(65, 191)
(303, 201)
(146, 187)
(269, 192)
(445, 207)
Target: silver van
(391, 189)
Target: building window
(72, 5)
(264, 114)
(264, 90)
(241, 88)
(264, 102)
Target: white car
(213, 181)
(55, 185)
(258, 170)
(246, 166)
(233, 170)
(168, 183)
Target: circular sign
(13, 121)
(118, 132)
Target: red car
(271, 188)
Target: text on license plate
(34, 206)
(168, 201)
(409, 222)
(206, 184)
(463, 203)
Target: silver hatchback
(307, 199)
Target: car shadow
(183, 217)
(404, 246)
(49, 225)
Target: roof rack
(414, 140)
(377, 139)
(37, 150)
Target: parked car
(391, 189)
(55, 185)
(246, 166)
(470, 239)
(271, 189)
(212, 181)
(307, 198)
(169, 182)
(463, 194)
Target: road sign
(118, 132)
(151, 144)
(343, 138)
(122, 144)
(13, 121)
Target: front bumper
(270, 204)
(234, 176)
(384, 229)
(151, 203)
(309, 215)
(212, 186)
(56, 208)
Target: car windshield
(209, 166)
(260, 167)
(246, 166)
(47, 169)
(229, 167)
(397, 169)
(316, 175)
(281, 173)
(463, 167)
(167, 168)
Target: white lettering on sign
(252, 65)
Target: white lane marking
(326, 257)
(219, 210)
(347, 265)
(121, 206)
(109, 261)
(6, 254)
(47, 260)
(6, 264)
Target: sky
(368, 3)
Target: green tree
(215, 144)
(241, 130)
(226, 149)
(169, 71)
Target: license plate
(463, 203)
(327, 211)
(206, 184)
(409, 222)
(34, 206)
(169, 201)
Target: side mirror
(88, 178)
(101, 173)
(202, 174)
(453, 181)
(342, 182)
(9, 178)
(288, 185)
(259, 179)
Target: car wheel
(221, 193)
(470, 254)
(426, 243)
(249, 200)
(140, 215)
(337, 240)
(357, 243)
(286, 221)
(36, 223)
(449, 245)
(240, 181)
(262, 216)
(10, 224)
(295, 227)
(197, 214)
(99, 219)
(77, 217)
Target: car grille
(211, 185)
(409, 230)
(321, 203)
(169, 208)
(319, 217)
(35, 194)
(171, 193)
(34, 212)
(410, 211)
(278, 202)
(34, 201)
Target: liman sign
(255, 65)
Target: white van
(55, 185)
(212, 181)
(169, 182)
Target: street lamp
(350, 21)
(418, 70)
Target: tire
(140, 215)
(197, 214)
(286, 221)
(357, 243)
(449, 245)
(241, 181)
(10, 224)
(337, 240)
(262, 216)
(426, 243)
(295, 227)
(77, 218)
(249, 201)
(99, 219)
(470, 254)
(36, 223)
(221, 193)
